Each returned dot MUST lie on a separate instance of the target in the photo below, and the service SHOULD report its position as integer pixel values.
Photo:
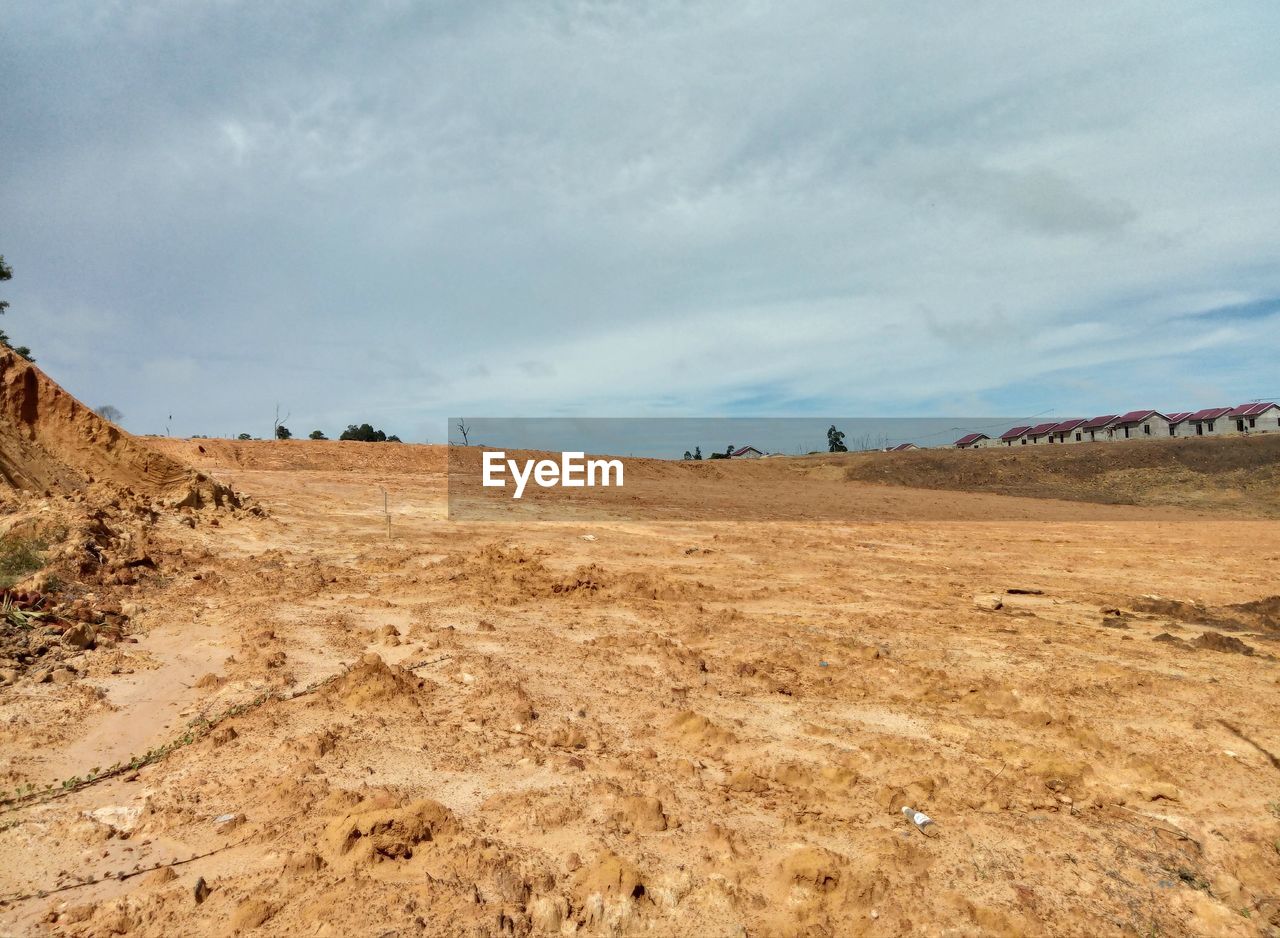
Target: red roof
(1014, 432)
(1100, 423)
(746, 449)
(1178, 416)
(1210, 413)
(901, 446)
(1042, 428)
(1067, 425)
(1250, 410)
(1136, 416)
(970, 438)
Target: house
(1014, 435)
(1178, 423)
(1069, 431)
(1256, 418)
(1209, 422)
(746, 452)
(1141, 425)
(971, 441)
(1099, 428)
(1040, 432)
(901, 448)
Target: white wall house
(1099, 429)
(1142, 425)
(1212, 421)
(1256, 418)
(1014, 436)
(1260, 417)
(1180, 423)
(1068, 431)
(746, 452)
(1040, 432)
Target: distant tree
(277, 423)
(835, 441)
(318, 435)
(364, 433)
(6, 273)
(283, 432)
(394, 439)
(688, 455)
(465, 431)
(728, 452)
(697, 452)
(244, 436)
(108, 412)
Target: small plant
(20, 557)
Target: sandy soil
(624, 727)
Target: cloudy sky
(394, 212)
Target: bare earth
(679, 728)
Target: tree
(277, 423)
(365, 433)
(835, 441)
(318, 435)
(283, 432)
(244, 436)
(6, 273)
(697, 452)
(688, 455)
(108, 412)
(465, 431)
(728, 452)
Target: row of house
(1139, 425)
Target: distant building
(1069, 431)
(1141, 425)
(1256, 418)
(901, 448)
(1099, 429)
(1040, 432)
(1014, 436)
(1209, 422)
(746, 452)
(1179, 423)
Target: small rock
(62, 675)
(226, 823)
(201, 891)
(81, 635)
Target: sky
(395, 212)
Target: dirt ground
(655, 728)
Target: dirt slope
(49, 441)
(1231, 474)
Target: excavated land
(585, 724)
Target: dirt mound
(302, 455)
(1235, 474)
(49, 441)
(373, 681)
